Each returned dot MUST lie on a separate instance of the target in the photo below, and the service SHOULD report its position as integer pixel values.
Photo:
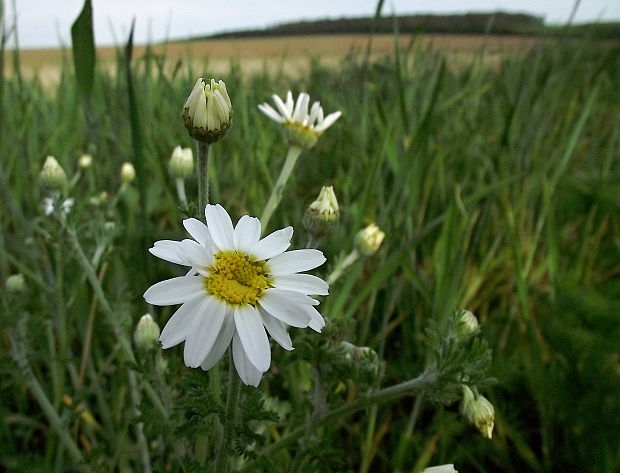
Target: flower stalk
(278, 189)
(202, 153)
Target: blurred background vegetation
(498, 185)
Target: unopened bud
(146, 335)
(85, 161)
(323, 214)
(207, 113)
(15, 283)
(128, 172)
(52, 174)
(466, 324)
(478, 411)
(181, 163)
(369, 239)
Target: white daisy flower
(49, 202)
(239, 286)
(303, 128)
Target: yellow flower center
(301, 135)
(236, 279)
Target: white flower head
(449, 468)
(303, 126)
(240, 287)
(207, 113)
(128, 172)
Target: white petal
(316, 319)
(303, 283)
(286, 306)
(175, 330)
(289, 103)
(194, 254)
(296, 261)
(221, 342)
(273, 244)
(329, 121)
(220, 226)
(276, 330)
(198, 232)
(246, 233)
(204, 330)
(314, 113)
(284, 111)
(168, 251)
(301, 107)
(199, 107)
(249, 325)
(270, 112)
(175, 290)
(246, 370)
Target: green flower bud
(323, 214)
(52, 174)
(15, 283)
(181, 164)
(478, 411)
(369, 239)
(207, 113)
(128, 172)
(466, 324)
(146, 335)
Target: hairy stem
(278, 189)
(202, 153)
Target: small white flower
(239, 285)
(449, 468)
(303, 127)
(128, 172)
(49, 202)
(207, 113)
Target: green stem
(426, 379)
(232, 399)
(142, 443)
(344, 264)
(180, 183)
(278, 189)
(202, 153)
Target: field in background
(289, 53)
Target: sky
(47, 23)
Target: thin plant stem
(422, 382)
(202, 153)
(232, 399)
(180, 183)
(344, 264)
(142, 443)
(278, 189)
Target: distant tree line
(469, 23)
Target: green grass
(498, 188)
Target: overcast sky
(46, 23)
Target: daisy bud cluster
(323, 214)
(478, 411)
(207, 113)
(52, 174)
(303, 126)
(369, 239)
(181, 164)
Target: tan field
(292, 54)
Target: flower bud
(449, 468)
(128, 173)
(181, 163)
(85, 161)
(52, 174)
(478, 411)
(323, 214)
(207, 113)
(146, 335)
(369, 239)
(15, 283)
(466, 324)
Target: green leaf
(83, 43)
